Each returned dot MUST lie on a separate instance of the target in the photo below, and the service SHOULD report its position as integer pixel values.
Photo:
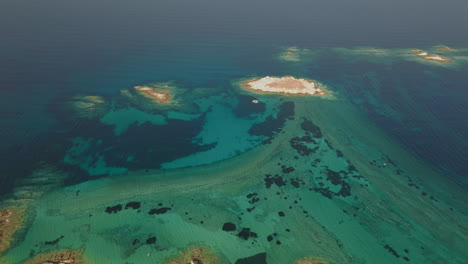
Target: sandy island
(287, 85)
(430, 57)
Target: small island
(11, 220)
(86, 107)
(287, 85)
(444, 48)
(161, 96)
(430, 57)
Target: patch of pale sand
(287, 85)
(311, 261)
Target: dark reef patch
(253, 198)
(277, 180)
(159, 211)
(133, 205)
(245, 234)
(256, 259)
(305, 145)
(114, 209)
(287, 170)
(296, 182)
(151, 240)
(310, 127)
(336, 179)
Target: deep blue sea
(52, 51)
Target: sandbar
(287, 85)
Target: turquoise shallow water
(374, 172)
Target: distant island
(430, 57)
(287, 85)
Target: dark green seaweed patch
(253, 198)
(229, 227)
